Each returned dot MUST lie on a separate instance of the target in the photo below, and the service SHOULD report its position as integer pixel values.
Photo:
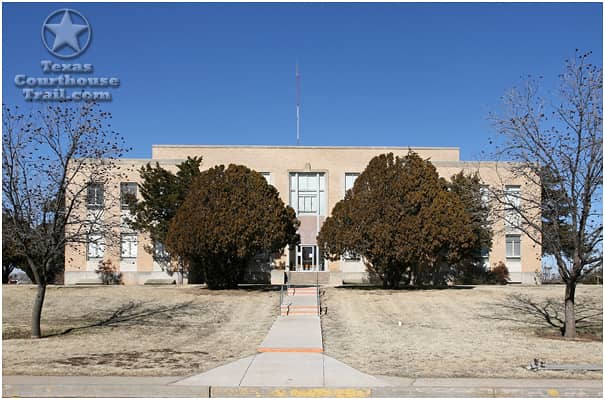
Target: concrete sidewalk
(283, 370)
(299, 333)
(82, 386)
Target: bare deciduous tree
(555, 143)
(49, 159)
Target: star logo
(62, 36)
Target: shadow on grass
(403, 288)
(135, 313)
(258, 287)
(550, 314)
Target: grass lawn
(132, 330)
(485, 331)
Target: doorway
(308, 258)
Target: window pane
(351, 256)
(312, 183)
(128, 191)
(129, 245)
(96, 248)
(302, 182)
(159, 252)
(350, 180)
(485, 252)
(95, 195)
(484, 195)
(513, 246)
(303, 192)
(513, 194)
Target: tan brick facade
(281, 162)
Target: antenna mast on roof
(297, 105)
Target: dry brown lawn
(162, 331)
(457, 332)
(132, 330)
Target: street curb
(103, 390)
(441, 391)
(267, 391)
(138, 390)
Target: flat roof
(302, 147)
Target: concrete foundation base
(128, 278)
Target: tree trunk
(37, 311)
(570, 312)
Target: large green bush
(229, 215)
(401, 217)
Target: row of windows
(128, 246)
(307, 192)
(513, 250)
(96, 195)
(301, 182)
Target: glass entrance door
(307, 258)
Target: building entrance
(308, 258)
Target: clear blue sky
(389, 74)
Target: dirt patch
(457, 333)
(137, 331)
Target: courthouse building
(311, 179)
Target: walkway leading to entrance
(291, 355)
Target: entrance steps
(303, 291)
(300, 301)
(287, 310)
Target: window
(485, 256)
(512, 205)
(159, 252)
(307, 193)
(267, 176)
(94, 198)
(513, 246)
(96, 247)
(351, 256)
(350, 178)
(484, 191)
(128, 192)
(128, 244)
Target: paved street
(80, 386)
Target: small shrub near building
(110, 274)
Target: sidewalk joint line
(246, 371)
(323, 369)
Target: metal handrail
(317, 290)
(281, 296)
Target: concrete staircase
(300, 301)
